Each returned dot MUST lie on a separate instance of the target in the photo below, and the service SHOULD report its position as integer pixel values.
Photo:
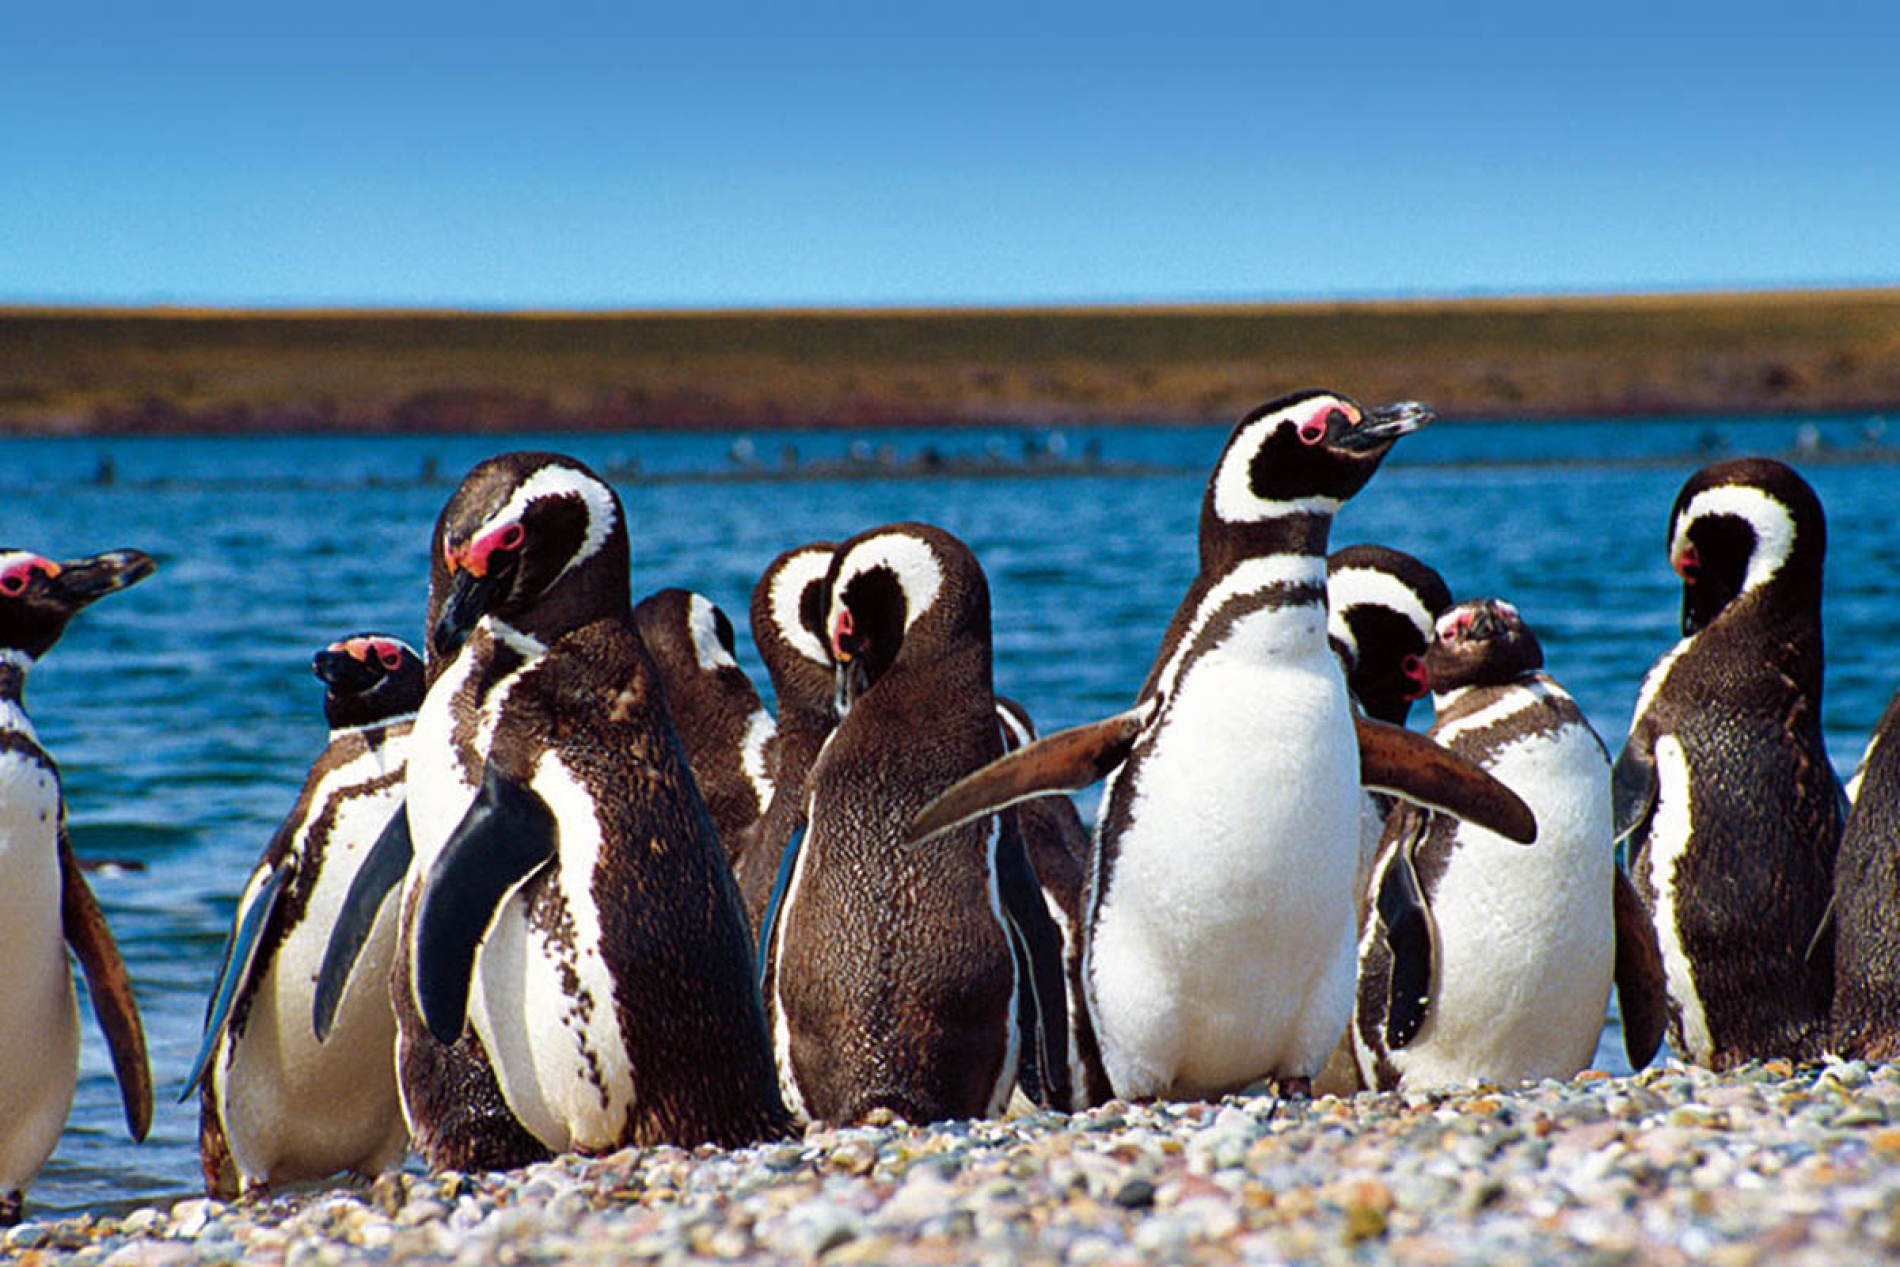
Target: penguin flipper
(507, 835)
(1407, 922)
(1066, 761)
(1632, 788)
(382, 870)
(1641, 996)
(110, 989)
(1413, 768)
(240, 957)
(768, 922)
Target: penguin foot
(12, 1204)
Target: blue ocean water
(184, 714)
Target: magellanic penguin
(1482, 958)
(788, 627)
(46, 907)
(1219, 944)
(1865, 1023)
(568, 899)
(1382, 608)
(275, 1104)
(1724, 790)
(724, 729)
(892, 973)
(1057, 845)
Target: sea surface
(184, 714)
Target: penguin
(568, 900)
(1482, 958)
(1218, 948)
(894, 975)
(1057, 846)
(788, 615)
(46, 906)
(275, 1104)
(1382, 606)
(716, 712)
(1864, 1020)
(1724, 791)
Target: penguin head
(1382, 607)
(788, 627)
(1481, 642)
(1303, 454)
(905, 594)
(371, 677)
(38, 596)
(534, 539)
(1741, 527)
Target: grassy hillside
(108, 370)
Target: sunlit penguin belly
(1222, 947)
(291, 1107)
(39, 1018)
(1525, 934)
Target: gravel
(1769, 1164)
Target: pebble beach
(1768, 1163)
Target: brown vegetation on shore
(84, 370)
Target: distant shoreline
(136, 371)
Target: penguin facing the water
(788, 617)
(1724, 789)
(1219, 941)
(46, 907)
(1865, 1017)
(568, 900)
(723, 728)
(892, 973)
(1481, 958)
(276, 1105)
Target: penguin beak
(83, 581)
(345, 673)
(469, 599)
(1383, 425)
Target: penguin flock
(561, 881)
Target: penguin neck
(1225, 544)
(13, 666)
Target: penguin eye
(511, 537)
(15, 580)
(1313, 429)
(390, 656)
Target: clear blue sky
(604, 155)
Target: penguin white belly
(293, 1108)
(1222, 947)
(1671, 825)
(1525, 934)
(39, 1041)
(543, 997)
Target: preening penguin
(1482, 958)
(891, 971)
(46, 907)
(788, 627)
(1382, 608)
(1724, 790)
(277, 1104)
(1219, 939)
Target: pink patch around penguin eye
(842, 628)
(14, 580)
(506, 537)
(1313, 430)
(1414, 670)
(389, 654)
